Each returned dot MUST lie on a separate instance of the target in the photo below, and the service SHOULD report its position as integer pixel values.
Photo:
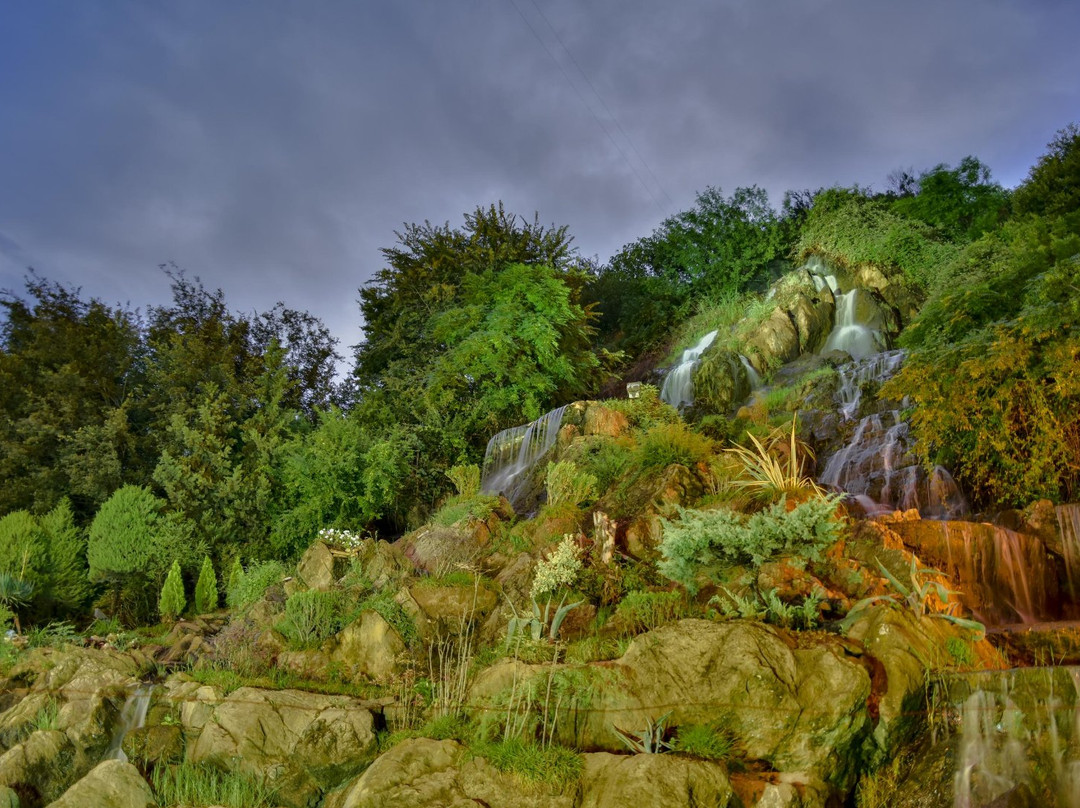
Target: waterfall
(1068, 518)
(876, 465)
(132, 716)
(851, 332)
(678, 389)
(1019, 732)
(513, 452)
(751, 374)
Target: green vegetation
(554, 766)
(312, 616)
(665, 444)
(254, 582)
(705, 741)
(699, 541)
(206, 590)
(569, 485)
(172, 602)
(199, 786)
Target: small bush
(206, 593)
(699, 540)
(390, 611)
(706, 741)
(666, 444)
(466, 480)
(235, 584)
(643, 611)
(259, 577)
(569, 485)
(197, 785)
(172, 602)
(645, 411)
(960, 650)
(457, 508)
(313, 616)
(553, 766)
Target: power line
(588, 106)
(600, 98)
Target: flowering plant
(345, 539)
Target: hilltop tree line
(130, 440)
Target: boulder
(8, 798)
(605, 421)
(316, 567)
(775, 341)
(654, 781)
(111, 784)
(160, 743)
(802, 709)
(657, 497)
(304, 743)
(448, 608)
(369, 647)
(40, 768)
(720, 382)
(420, 772)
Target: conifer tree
(172, 601)
(206, 594)
(236, 580)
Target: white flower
(561, 568)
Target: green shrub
(391, 611)
(259, 577)
(118, 541)
(198, 785)
(960, 650)
(666, 444)
(466, 479)
(645, 411)
(643, 611)
(700, 540)
(706, 741)
(236, 581)
(312, 616)
(457, 508)
(206, 592)
(569, 485)
(553, 766)
(172, 602)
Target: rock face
(720, 382)
(799, 710)
(369, 647)
(677, 485)
(40, 768)
(111, 784)
(316, 567)
(419, 773)
(304, 743)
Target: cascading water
(1068, 518)
(876, 465)
(510, 454)
(854, 332)
(752, 375)
(1019, 740)
(132, 716)
(678, 389)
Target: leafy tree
(172, 602)
(206, 593)
(68, 369)
(961, 202)
(1052, 187)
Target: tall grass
(195, 785)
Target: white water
(678, 389)
(1020, 731)
(752, 375)
(856, 375)
(132, 716)
(1068, 518)
(856, 338)
(512, 453)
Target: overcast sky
(273, 147)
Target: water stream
(512, 453)
(132, 716)
(678, 389)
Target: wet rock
(111, 784)
(720, 382)
(601, 420)
(775, 341)
(654, 781)
(160, 743)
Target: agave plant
(924, 582)
(649, 740)
(14, 594)
(772, 471)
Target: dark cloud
(273, 147)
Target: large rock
(605, 421)
(40, 768)
(111, 784)
(655, 498)
(775, 341)
(305, 743)
(370, 647)
(446, 610)
(420, 773)
(654, 781)
(317, 567)
(801, 709)
(720, 382)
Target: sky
(272, 148)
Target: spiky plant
(773, 467)
(14, 594)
